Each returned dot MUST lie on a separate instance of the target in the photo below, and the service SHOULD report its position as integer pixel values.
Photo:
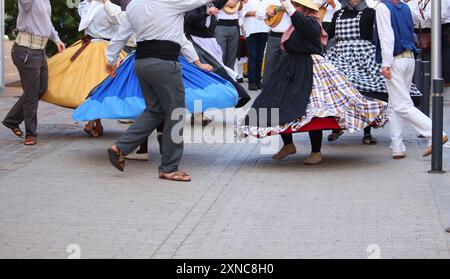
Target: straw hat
(307, 3)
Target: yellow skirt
(69, 82)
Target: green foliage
(64, 19)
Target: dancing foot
(313, 159)
(285, 151)
(179, 176)
(116, 157)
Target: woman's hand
(205, 67)
(111, 69)
(386, 72)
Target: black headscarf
(347, 4)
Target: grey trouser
(163, 90)
(33, 71)
(228, 39)
(273, 55)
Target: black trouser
(33, 71)
(315, 138)
(256, 44)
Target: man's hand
(111, 69)
(386, 72)
(61, 47)
(205, 67)
(213, 11)
(231, 3)
(270, 13)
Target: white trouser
(401, 106)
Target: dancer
(395, 52)
(159, 43)
(200, 28)
(274, 53)
(227, 31)
(256, 32)
(28, 55)
(72, 75)
(309, 93)
(354, 55)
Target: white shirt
(155, 20)
(34, 18)
(425, 21)
(223, 15)
(386, 34)
(372, 3)
(252, 24)
(330, 10)
(261, 15)
(106, 21)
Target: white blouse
(106, 22)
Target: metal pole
(426, 85)
(2, 45)
(438, 87)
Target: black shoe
(252, 87)
(240, 80)
(259, 84)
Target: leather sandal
(30, 140)
(17, 131)
(117, 158)
(98, 128)
(91, 132)
(179, 176)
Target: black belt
(228, 22)
(166, 50)
(275, 34)
(423, 30)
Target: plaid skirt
(356, 59)
(334, 96)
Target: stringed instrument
(278, 13)
(323, 8)
(232, 9)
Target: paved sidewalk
(241, 204)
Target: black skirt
(288, 89)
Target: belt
(31, 41)
(166, 50)
(405, 54)
(275, 34)
(228, 22)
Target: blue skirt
(121, 97)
